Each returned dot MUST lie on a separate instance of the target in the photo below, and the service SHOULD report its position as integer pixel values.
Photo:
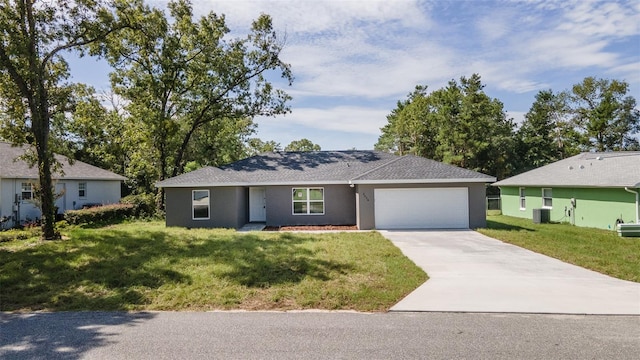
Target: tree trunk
(40, 125)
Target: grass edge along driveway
(595, 249)
(147, 266)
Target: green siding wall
(595, 207)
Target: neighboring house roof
(326, 167)
(11, 166)
(608, 169)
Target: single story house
(369, 189)
(595, 190)
(80, 184)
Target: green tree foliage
(546, 135)
(180, 76)
(403, 133)
(255, 146)
(33, 37)
(302, 145)
(604, 115)
(458, 124)
(92, 132)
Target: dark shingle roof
(609, 169)
(325, 167)
(11, 166)
(412, 167)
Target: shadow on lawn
(64, 335)
(115, 270)
(261, 263)
(496, 225)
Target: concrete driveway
(470, 272)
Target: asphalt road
(316, 335)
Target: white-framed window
(82, 190)
(200, 204)
(26, 191)
(547, 198)
(523, 199)
(307, 201)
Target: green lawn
(599, 250)
(146, 266)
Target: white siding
(98, 192)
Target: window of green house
(547, 198)
(523, 199)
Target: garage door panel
(444, 208)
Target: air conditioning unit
(541, 216)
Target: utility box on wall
(541, 216)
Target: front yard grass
(599, 250)
(146, 266)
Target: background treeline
(461, 125)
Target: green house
(598, 190)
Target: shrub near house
(101, 214)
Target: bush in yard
(100, 214)
(20, 234)
(145, 204)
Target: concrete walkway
(470, 272)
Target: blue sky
(353, 60)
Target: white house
(79, 184)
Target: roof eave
(330, 182)
(264, 183)
(424, 181)
(621, 186)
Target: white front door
(257, 204)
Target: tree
(473, 129)
(181, 75)
(33, 37)
(302, 145)
(604, 114)
(255, 146)
(458, 124)
(405, 126)
(220, 142)
(546, 135)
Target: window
(308, 201)
(523, 199)
(200, 204)
(27, 191)
(82, 190)
(547, 196)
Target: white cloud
(602, 19)
(333, 16)
(351, 119)
(517, 116)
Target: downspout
(637, 201)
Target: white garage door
(433, 208)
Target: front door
(257, 204)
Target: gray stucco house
(373, 190)
(78, 185)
